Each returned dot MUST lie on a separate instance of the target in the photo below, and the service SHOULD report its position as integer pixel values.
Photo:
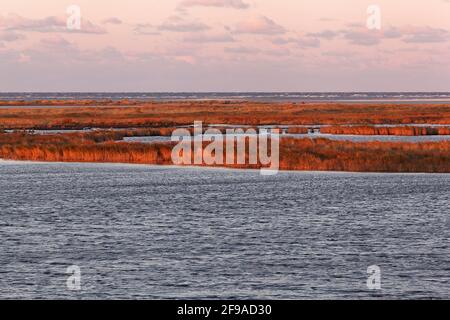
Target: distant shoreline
(136, 102)
(240, 96)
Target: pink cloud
(259, 25)
(10, 36)
(56, 42)
(236, 4)
(242, 50)
(46, 25)
(146, 29)
(178, 24)
(363, 37)
(426, 35)
(359, 35)
(209, 38)
(302, 42)
(326, 34)
(112, 20)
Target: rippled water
(254, 96)
(337, 137)
(159, 232)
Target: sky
(224, 45)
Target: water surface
(348, 97)
(337, 137)
(160, 232)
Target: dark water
(148, 232)
(253, 96)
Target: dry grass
(149, 119)
(295, 154)
(391, 131)
(214, 112)
(298, 130)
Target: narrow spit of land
(151, 118)
(131, 114)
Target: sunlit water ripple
(158, 232)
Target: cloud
(392, 33)
(247, 51)
(308, 42)
(111, 54)
(362, 37)
(339, 54)
(259, 25)
(235, 4)
(88, 27)
(172, 24)
(112, 20)
(327, 19)
(282, 40)
(23, 58)
(326, 34)
(426, 35)
(242, 50)
(209, 38)
(54, 42)
(15, 22)
(146, 29)
(178, 24)
(302, 42)
(359, 35)
(54, 48)
(277, 52)
(10, 36)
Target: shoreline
(23, 104)
(305, 103)
(137, 102)
(214, 168)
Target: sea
(409, 97)
(118, 231)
